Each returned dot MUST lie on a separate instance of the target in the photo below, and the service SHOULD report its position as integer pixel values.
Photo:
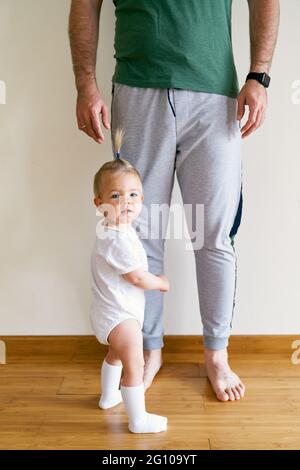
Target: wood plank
(89, 383)
(253, 442)
(30, 385)
(18, 437)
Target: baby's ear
(97, 201)
(142, 197)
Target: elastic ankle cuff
(215, 343)
(136, 387)
(153, 343)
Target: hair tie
(117, 155)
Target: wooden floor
(49, 391)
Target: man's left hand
(253, 95)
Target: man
(175, 91)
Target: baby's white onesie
(117, 250)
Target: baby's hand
(165, 283)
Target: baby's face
(121, 198)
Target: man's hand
(90, 107)
(166, 285)
(253, 95)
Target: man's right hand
(165, 283)
(90, 107)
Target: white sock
(139, 420)
(110, 382)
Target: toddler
(119, 277)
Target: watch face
(265, 80)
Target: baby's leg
(112, 358)
(127, 342)
(110, 380)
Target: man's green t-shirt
(175, 44)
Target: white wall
(47, 165)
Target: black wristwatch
(262, 78)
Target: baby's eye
(115, 196)
(133, 195)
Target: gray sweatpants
(196, 135)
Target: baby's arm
(146, 280)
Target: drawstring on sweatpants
(173, 111)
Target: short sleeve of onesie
(121, 255)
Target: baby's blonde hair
(118, 165)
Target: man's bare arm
(84, 33)
(263, 23)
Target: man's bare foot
(153, 362)
(225, 383)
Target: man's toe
(222, 395)
(230, 394)
(241, 389)
(236, 393)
